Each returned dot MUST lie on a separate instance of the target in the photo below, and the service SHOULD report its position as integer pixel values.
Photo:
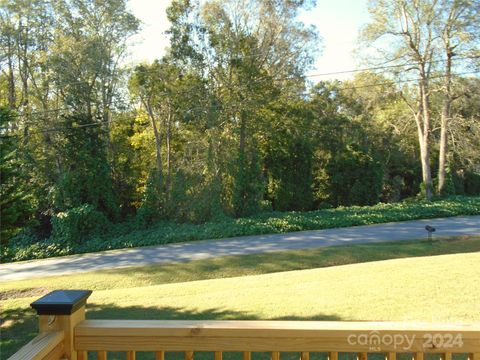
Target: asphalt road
(181, 252)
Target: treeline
(226, 124)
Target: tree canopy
(229, 123)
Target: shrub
(153, 203)
(247, 185)
(125, 236)
(355, 178)
(449, 186)
(290, 176)
(472, 183)
(78, 224)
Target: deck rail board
(45, 346)
(251, 336)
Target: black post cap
(61, 302)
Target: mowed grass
(441, 288)
(433, 288)
(231, 266)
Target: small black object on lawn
(430, 230)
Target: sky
(338, 22)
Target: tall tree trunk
(106, 117)
(169, 137)
(425, 138)
(442, 158)
(243, 131)
(158, 139)
(23, 70)
(425, 161)
(12, 100)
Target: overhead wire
(220, 107)
(363, 69)
(304, 76)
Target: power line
(237, 105)
(406, 80)
(341, 88)
(362, 69)
(58, 129)
(385, 67)
(42, 111)
(291, 78)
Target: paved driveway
(464, 225)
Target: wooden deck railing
(45, 346)
(72, 337)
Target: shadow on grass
(257, 264)
(20, 325)
(113, 312)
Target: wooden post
(362, 356)
(333, 355)
(62, 310)
(392, 356)
(418, 356)
(446, 356)
(304, 355)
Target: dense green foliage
(224, 126)
(78, 224)
(86, 176)
(14, 198)
(69, 226)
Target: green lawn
(437, 288)
(243, 265)
(433, 288)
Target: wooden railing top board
(264, 328)
(270, 336)
(41, 346)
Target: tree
(171, 98)
(347, 170)
(457, 26)
(62, 72)
(246, 56)
(148, 86)
(408, 25)
(426, 35)
(288, 147)
(15, 200)
(464, 130)
(391, 136)
(86, 178)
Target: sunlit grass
(439, 288)
(427, 288)
(254, 264)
